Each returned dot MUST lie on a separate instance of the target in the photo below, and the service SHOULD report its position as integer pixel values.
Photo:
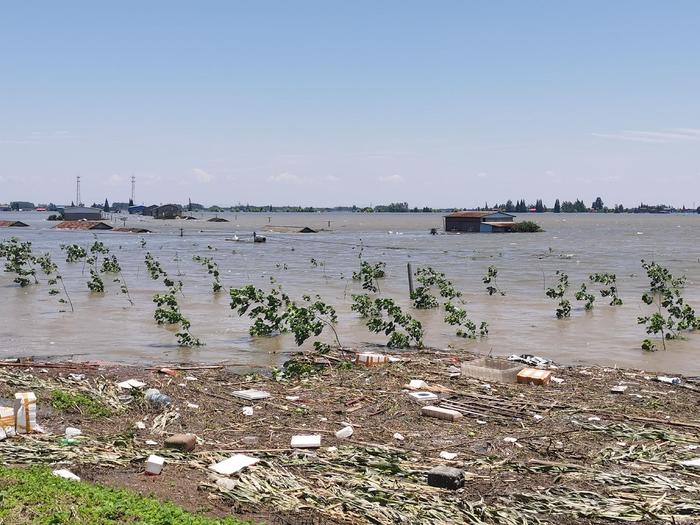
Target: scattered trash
(151, 442)
(398, 437)
(168, 371)
(251, 395)
(453, 371)
(247, 411)
(191, 405)
(440, 413)
(25, 412)
(480, 422)
(332, 449)
(233, 464)
(446, 477)
(155, 398)
(72, 432)
(510, 439)
(131, 383)
(695, 462)
(190, 378)
(306, 441)
(344, 432)
(530, 360)
(181, 442)
(226, 483)
(423, 396)
(557, 380)
(370, 359)
(669, 380)
(449, 456)
(140, 425)
(534, 376)
(65, 474)
(417, 384)
(594, 418)
(7, 421)
(250, 440)
(490, 369)
(154, 465)
(77, 377)
(619, 389)
(537, 417)
(292, 398)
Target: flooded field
(107, 327)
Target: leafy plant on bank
(369, 274)
(274, 313)
(384, 315)
(559, 292)
(672, 315)
(490, 280)
(212, 269)
(167, 310)
(609, 289)
(466, 328)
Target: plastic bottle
(154, 397)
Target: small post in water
(182, 232)
(410, 278)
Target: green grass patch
(35, 496)
(69, 402)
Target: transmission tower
(133, 189)
(77, 191)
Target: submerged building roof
(475, 214)
(82, 225)
(12, 224)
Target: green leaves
(369, 274)
(384, 315)
(428, 279)
(609, 281)
(672, 315)
(275, 313)
(584, 295)
(466, 328)
(19, 260)
(558, 292)
(490, 281)
(212, 269)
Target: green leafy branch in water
(384, 315)
(490, 281)
(96, 284)
(167, 310)
(50, 269)
(19, 260)
(466, 328)
(369, 274)
(428, 278)
(110, 264)
(275, 313)
(74, 252)
(558, 292)
(609, 282)
(672, 315)
(212, 269)
(584, 295)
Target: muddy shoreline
(569, 452)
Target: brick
(534, 376)
(446, 477)
(181, 442)
(440, 413)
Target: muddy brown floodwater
(106, 327)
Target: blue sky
(303, 102)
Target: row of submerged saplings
(273, 312)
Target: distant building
(478, 221)
(77, 213)
(5, 207)
(136, 210)
(167, 211)
(149, 211)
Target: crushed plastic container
(155, 398)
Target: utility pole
(77, 191)
(133, 189)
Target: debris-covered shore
(577, 450)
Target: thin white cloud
(666, 136)
(286, 177)
(392, 179)
(482, 174)
(332, 178)
(202, 176)
(115, 180)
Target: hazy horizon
(450, 104)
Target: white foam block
(233, 464)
